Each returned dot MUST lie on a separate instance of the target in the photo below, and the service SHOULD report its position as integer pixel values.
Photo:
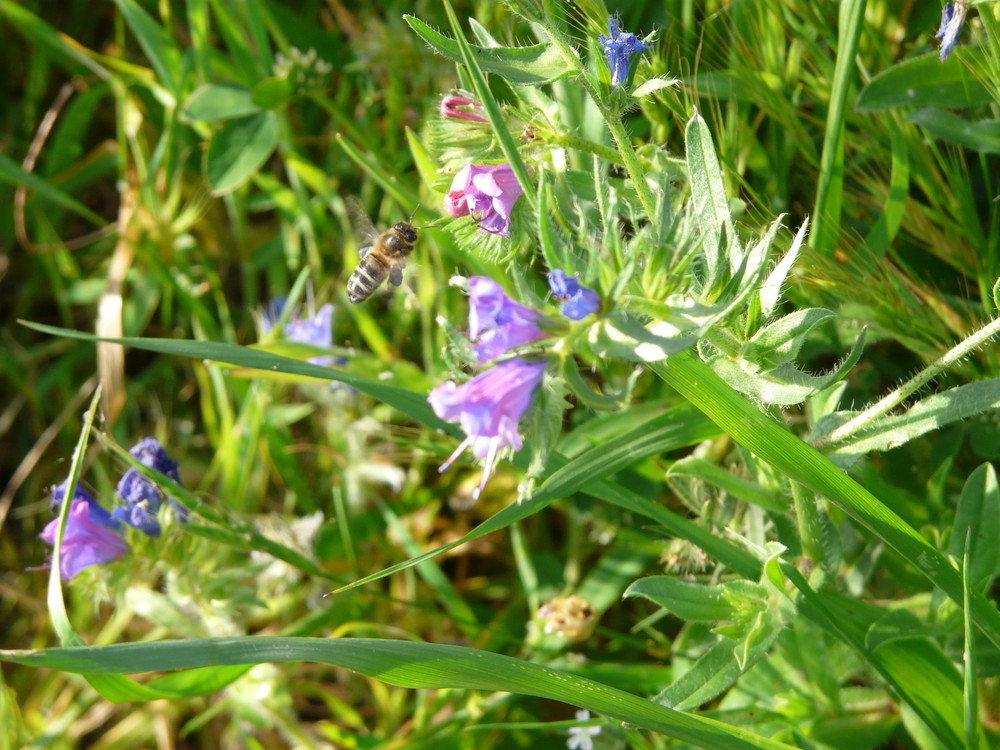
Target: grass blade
(409, 665)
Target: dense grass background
(96, 130)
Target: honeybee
(383, 256)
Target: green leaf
(219, 101)
(688, 601)
(409, 665)
(10, 171)
(46, 37)
(741, 489)
(708, 194)
(780, 341)
(770, 290)
(653, 85)
(928, 414)
(532, 65)
(272, 93)
(161, 50)
(620, 336)
(925, 82)
(239, 149)
(409, 402)
(978, 513)
(982, 136)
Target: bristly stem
(894, 399)
(628, 158)
(568, 140)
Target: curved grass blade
(409, 402)
(406, 664)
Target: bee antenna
(433, 225)
(415, 209)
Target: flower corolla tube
(497, 324)
(489, 408)
(90, 537)
(457, 107)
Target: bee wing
(364, 231)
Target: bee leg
(364, 251)
(396, 276)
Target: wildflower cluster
(93, 536)
(489, 407)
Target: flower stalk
(884, 405)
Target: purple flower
(618, 47)
(315, 330)
(497, 323)
(952, 20)
(89, 538)
(578, 301)
(141, 498)
(456, 107)
(488, 191)
(489, 408)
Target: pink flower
(88, 539)
(458, 107)
(488, 191)
(496, 322)
(489, 408)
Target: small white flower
(580, 737)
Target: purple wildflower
(89, 538)
(952, 20)
(489, 191)
(497, 323)
(457, 107)
(489, 408)
(142, 498)
(315, 330)
(618, 48)
(578, 300)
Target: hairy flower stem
(894, 399)
(628, 158)
(567, 140)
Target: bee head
(406, 229)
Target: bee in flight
(383, 255)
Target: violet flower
(578, 300)
(489, 191)
(489, 408)
(314, 330)
(618, 48)
(496, 323)
(457, 107)
(952, 20)
(141, 498)
(90, 537)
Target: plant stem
(894, 399)
(628, 158)
(568, 140)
